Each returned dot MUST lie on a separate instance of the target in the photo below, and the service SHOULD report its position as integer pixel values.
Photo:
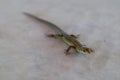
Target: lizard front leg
(67, 51)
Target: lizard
(70, 40)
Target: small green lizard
(70, 40)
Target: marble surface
(27, 54)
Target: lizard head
(85, 50)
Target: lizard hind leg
(55, 35)
(75, 36)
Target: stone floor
(27, 54)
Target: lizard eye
(84, 50)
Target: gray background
(27, 54)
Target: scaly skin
(70, 40)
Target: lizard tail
(53, 26)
